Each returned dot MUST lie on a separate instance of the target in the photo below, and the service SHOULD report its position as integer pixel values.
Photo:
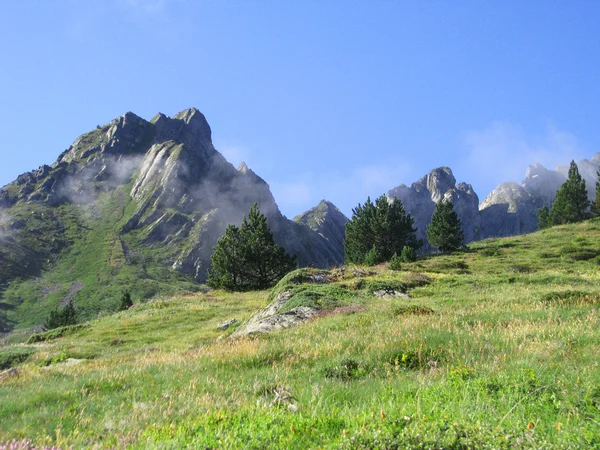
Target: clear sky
(323, 99)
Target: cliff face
(420, 198)
(160, 192)
(512, 208)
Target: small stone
(228, 323)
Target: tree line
(247, 258)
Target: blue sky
(323, 99)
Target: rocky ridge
(511, 208)
(177, 194)
(420, 198)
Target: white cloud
(235, 154)
(345, 190)
(502, 151)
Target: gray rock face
(511, 208)
(184, 192)
(270, 319)
(508, 210)
(421, 197)
(328, 222)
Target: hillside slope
(136, 205)
(496, 347)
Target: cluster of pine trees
(247, 257)
(571, 203)
(382, 230)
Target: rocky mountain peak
(439, 181)
(422, 196)
(243, 168)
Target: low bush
(346, 369)
(416, 310)
(415, 279)
(408, 254)
(56, 333)
(11, 356)
(395, 263)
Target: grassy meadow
(497, 347)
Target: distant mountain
(139, 205)
(419, 199)
(508, 210)
(134, 205)
(512, 208)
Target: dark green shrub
(416, 310)
(347, 369)
(383, 225)
(126, 301)
(390, 286)
(414, 359)
(247, 258)
(408, 254)
(395, 263)
(415, 279)
(371, 258)
(11, 356)
(445, 230)
(62, 317)
(55, 333)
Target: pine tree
(571, 202)
(378, 230)
(445, 230)
(247, 258)
(126, 301)
(544, 217)
(62, 317)
(596, 204)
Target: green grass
(92, 259)
(496, 347)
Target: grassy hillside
(95, 265)
(496, 347)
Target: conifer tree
(126, 301)
(596, 204)
(378, 230)
(445, 230)
(62, 317)
(571, 202)
(247, 258)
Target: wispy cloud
(234, 153)
(503, 150)
(345, 190)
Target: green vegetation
(126, 301)
(62, 317)
(395, 262)
(377, 231)
(247, 258)
(445, 230)
(92, 264)
(11, 356)
(497, 347)
(595, 210)
(571, 202)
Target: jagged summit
(149, 198)
(419, 199)
(511, 208)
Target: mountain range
(139, 205)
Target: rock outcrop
(420, 198)
(176, 194)
(511, 208)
